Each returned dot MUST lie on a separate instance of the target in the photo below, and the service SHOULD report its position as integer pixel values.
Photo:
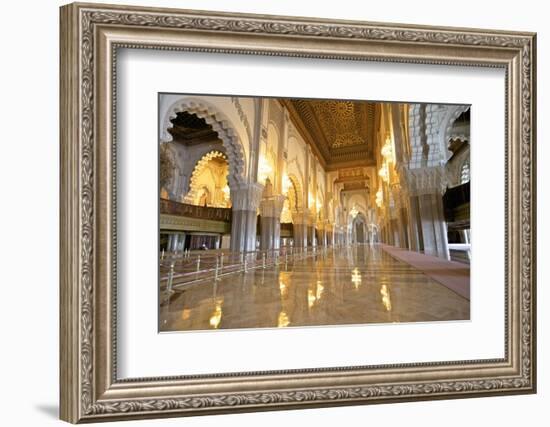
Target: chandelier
(387, 150)
(388, 156)
(384, 172)
(264, 169)
(379, 198)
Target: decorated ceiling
(343, 131)
(190, 129)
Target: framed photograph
(267, 212)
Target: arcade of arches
(292, 212)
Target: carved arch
(299, 191)
(447, 123)
(429, 132)
(194, 188)
(221, 125)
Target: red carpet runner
(453, 275)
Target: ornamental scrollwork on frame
(90, 18)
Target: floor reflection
(353, 286)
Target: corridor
(338, 285)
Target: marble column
(174, 242)
(299, 228)
(402, 228)
(428, 229)
(270, 222)
(434, 228)
(415, 224)
(245, 199)
(181, 242)
(311, 240)
(325, 236)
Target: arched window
(465, 172)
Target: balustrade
(170, 207)
(184, 268)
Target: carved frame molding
(90, 36)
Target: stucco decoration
(211, 176)
(220, 124)
(166, 166)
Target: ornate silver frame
(90, 36)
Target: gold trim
(90, 34)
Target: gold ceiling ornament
(347, 139)
(341, 109)
(339, 132)
(343, 123)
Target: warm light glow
(320, 289)
(318, 205)
(264, 169)
(226, 192)
(286, 184)
(311, 298)
(354, 211)
(356, 277)
(311, 200)
(216, 317)
(283, 320)
(379, 198)
(384, 172)
(387, 150)
(388, 154)
(386, 300)
(186, 314)
(314, 296)
(286, 215)
(283, 288)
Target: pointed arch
(220, 124)
(194, 187)
(299, 203)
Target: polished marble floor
(354, 285)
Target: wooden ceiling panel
(342, 131)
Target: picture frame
(90, 37)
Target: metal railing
(180, 269)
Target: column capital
(427, 180)
(272, 206)
(300, 217)
(246, 197)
